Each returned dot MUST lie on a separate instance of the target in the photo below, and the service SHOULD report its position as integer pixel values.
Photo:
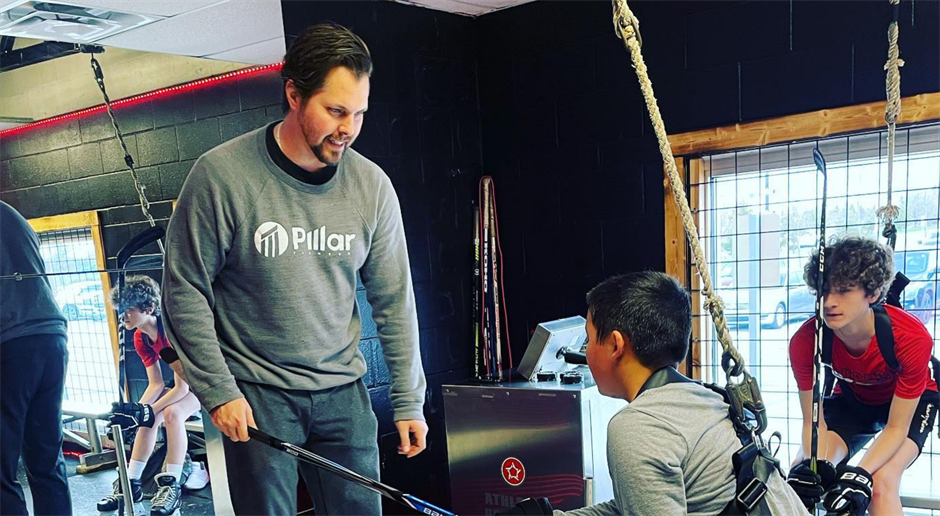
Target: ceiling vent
(53, 21)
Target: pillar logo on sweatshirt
(273, 240)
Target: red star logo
(513, 471)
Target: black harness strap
(884, 335)
(753, 463)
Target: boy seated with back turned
(670, 450)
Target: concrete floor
(87, 489)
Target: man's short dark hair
(853, 261)
(320, 49)
(651, 309)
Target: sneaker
(116, 499)
(167, 500)
(198, 479)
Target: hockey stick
(817, 362)
(145, 238)
(485, 264)
(493, 230)
(323, 463)
(475, 289)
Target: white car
(793, 300)
(81, 300)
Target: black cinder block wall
(78, 165)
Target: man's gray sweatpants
(336, 423)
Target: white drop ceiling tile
(156, 7)
(265, 52)
(465, 7)
(212, 30)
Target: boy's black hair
(651, 309)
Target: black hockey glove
(851, 493)
(131, 415)
(809, 486)
(529, 507)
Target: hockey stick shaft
(475, 290)
(820, 162)
(486, 316)
(326, 464)
(493, 230)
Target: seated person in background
(139, 303)
(669, 451)
(871, 396)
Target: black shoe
(116, 499)
(167, 500)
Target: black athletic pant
(32, 381)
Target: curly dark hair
(140, 292)
(853, 261)
(320, 49)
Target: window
(71, 245)
(755, 196)
(761, 227)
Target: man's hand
(413, 433)
(131, 415)
(529, 507)
(851, 492)
(809, 486)
(233, 419)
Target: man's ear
(150, 310)
(294, 96)
(619, 344)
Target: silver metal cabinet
(524, 439)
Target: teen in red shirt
(139, 303)
(869, 396)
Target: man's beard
(321, 155)
(317, 149)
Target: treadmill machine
(542, 434)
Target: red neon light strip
(143, 96)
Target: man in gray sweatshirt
(263, 252)
(34, 359)
(669, 451)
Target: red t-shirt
(913, 346)
(148, 350)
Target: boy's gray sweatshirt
(260, 277)
(669, 453)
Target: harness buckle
(752, 494)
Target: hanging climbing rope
(128, 159)
(889, 212)
(744, 394)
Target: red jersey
(148, 350)
(877, 382)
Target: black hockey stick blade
(819, 160)
(143, 239)
(323, 463)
